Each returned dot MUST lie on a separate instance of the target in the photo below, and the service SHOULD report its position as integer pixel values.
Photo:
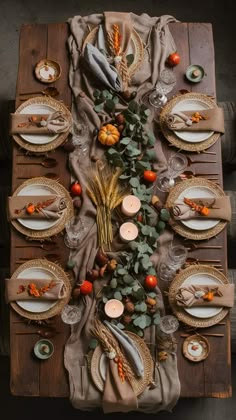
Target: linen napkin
(223, 295)
(44, 206)
(213, 120)
(53, 123)
(219, 208)
(104, 72)
(117, 395)
(33, 289)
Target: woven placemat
(59, 273)
(66, 215)
(178, 226)
(138, 384)
(61, 137)
(171, 136)
(180, 313)
(137, 43)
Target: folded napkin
(53, 123)
(219, 208)
(36, 289)
(40, 206)
(206, 295)
(102, 70)
(213, 120)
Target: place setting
(192, 121)
(199, 208)
(40, 124)
(38, 289)
(39, 208)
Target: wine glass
(176, 164)
(164, 85)
(80, 134)
(71, 314)
(174, 260)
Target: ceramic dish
(43, 349)
(38, 310)
(96, 36)
(192, 105)
(189, 143)
(199, 192)
(42, 229)
(200, 317)
(196, 229)
(99, 365)
(195, 73)
(47, 71)
(196, 348)
(41, 142)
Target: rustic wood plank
(179, 32)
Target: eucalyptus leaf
(120, 325)
(148, 320)
(99, 107)
(133, 107)
(122, 271)
(109, 105)
(96, 93)
(136, 267)
(133, 245)
(164, 215)
(118, 296)
(140, 322)
(128, 279)
(156, 318)
(141, 307)
(113, 283)
(104, 299)
(134, 182)
(125, 140)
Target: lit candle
(114, 308)
(128, 231)
(130, 205)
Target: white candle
(114, 308)
(130, 205)
(128, 232)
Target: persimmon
(86, 287)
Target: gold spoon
(47, 163)
(42, 333)
(49, 91)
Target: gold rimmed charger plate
(58, 273)
(138, 384)
(184, 230)
(136, 43)
(51, 105)
(171, 136)
(67, 214)
(179, 311)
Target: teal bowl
(43, 349)
(195, 73)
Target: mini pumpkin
(108, 135)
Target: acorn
(112, 264)
(126, 319)
(102, 270)
(101, 258)
(129, 307)
(162, 355)
(92, 275)
(77, 202)
(68, 146)
(150, 301)
(76, 292)
(120, 119)
(127, 95)
(120, 128)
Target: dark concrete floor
(13, 13)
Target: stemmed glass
(176, 164)
(174, 260)
(80, 134)
(164, 85)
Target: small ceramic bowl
(43, 349)
(195, 73)
(47, 71)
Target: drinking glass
(164, 85)
(174, 260)
(80, 134)
(169, 324)
(71, 314)
(75, 231)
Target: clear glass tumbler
(174, 260)
(71, 314)
(169, 324)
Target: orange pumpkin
(108, 135)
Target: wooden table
(30, 377)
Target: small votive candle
(128, 231)
(130, 205)
(114, 308)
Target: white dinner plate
(37, 224)
(36, 305)
(201, 223)
(38, 138)
(203, 311)
(192, 105)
